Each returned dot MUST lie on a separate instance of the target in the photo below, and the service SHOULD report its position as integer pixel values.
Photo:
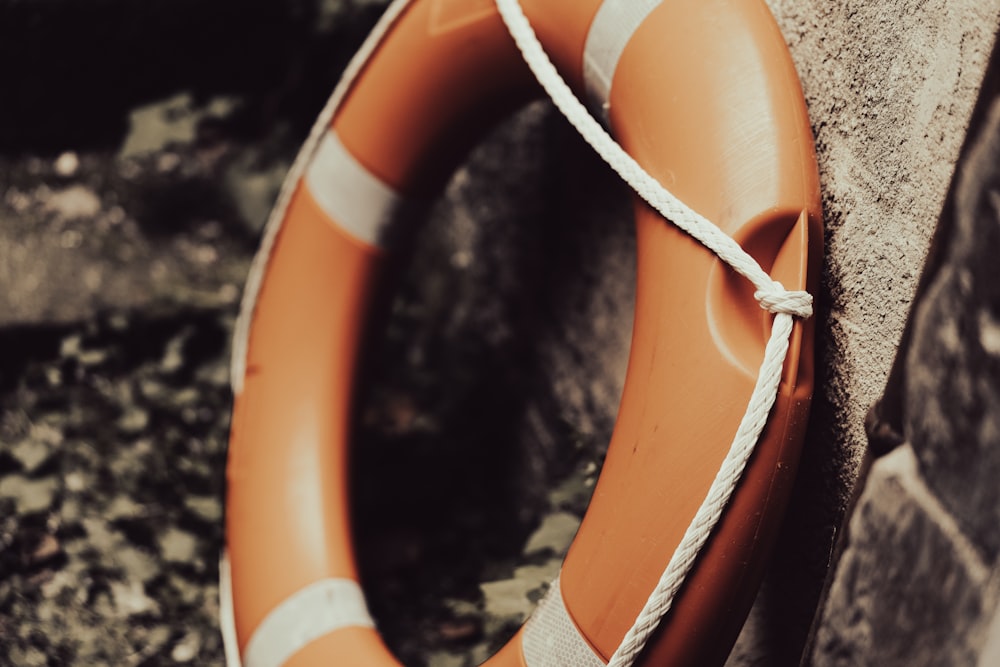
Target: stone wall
(890, 87)
(919, 580)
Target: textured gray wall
(922, 553)
(890, 88)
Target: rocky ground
(122, 260)
(116, 406)
(114, 432)
(111, 485)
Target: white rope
(771, 295)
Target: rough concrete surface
(890, 88)
(921, 554)
(124, 238)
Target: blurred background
(141, 147)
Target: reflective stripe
(551, 639)
(615, 23)
(316, 610)
(354, 198)
(276, 221)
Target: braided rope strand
(721, 490)
(771, 295)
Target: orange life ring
(705, 97)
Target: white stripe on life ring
(227, 621)
(355, 199)
(551, 638)
(316, 610)
(614, 24)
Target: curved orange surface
(705, 98)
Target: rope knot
(776, 299)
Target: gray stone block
(910, 590)
(953, 364)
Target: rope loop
(776, 299)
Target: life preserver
(704, 95)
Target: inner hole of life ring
(490, 391)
